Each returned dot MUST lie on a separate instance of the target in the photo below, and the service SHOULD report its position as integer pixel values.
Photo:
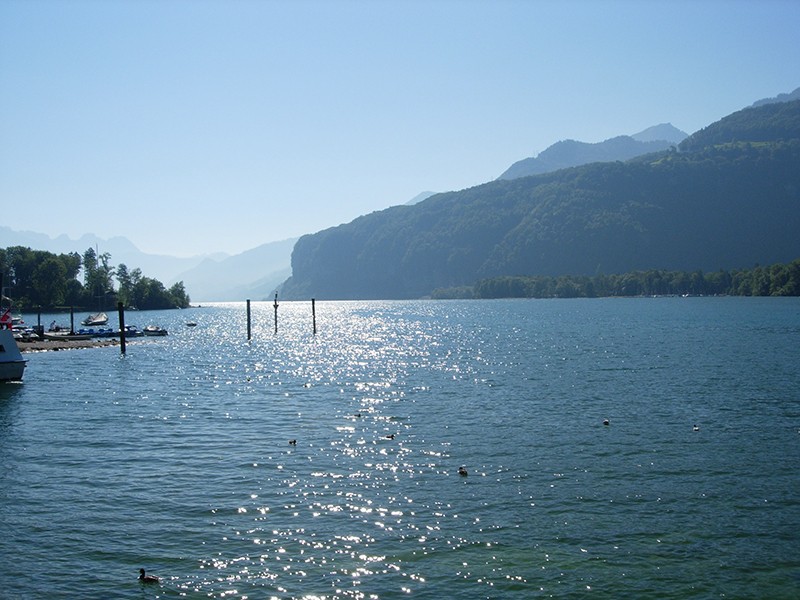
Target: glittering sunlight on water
(302, 465)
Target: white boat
(66, 336)
(131, 331)
(12, 365)
(154, 330)
(95, 320)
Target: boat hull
(12, 371)
(12, 365)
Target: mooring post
(313, 316)
(39, 329)
(72, 320)
(276, 312)
(121, 311)
(248, 319)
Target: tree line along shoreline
(780, 279)
(39, 279)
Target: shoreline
(55, 345)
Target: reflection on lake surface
(176, 457)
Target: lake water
(176, 457)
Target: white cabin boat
(12, 365)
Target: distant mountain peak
(571, 153)
(664, 131)
(419, 198)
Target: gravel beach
(52, 345)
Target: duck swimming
(144, 578)
(462, 471)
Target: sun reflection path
(363, 505)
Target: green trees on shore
(37, 278)
(775, 280)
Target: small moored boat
(154, 330)
(131, 331)
(66, 336)
(95, 320)
(100, 332)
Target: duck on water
(145, 578)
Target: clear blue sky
(201, 126)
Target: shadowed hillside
(729, 198)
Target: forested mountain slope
(729, 198)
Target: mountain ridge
(572, 153)
(729, 198)
(222, 277)
(794, 95)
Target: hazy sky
(201, 126)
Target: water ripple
(326, 466)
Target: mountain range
(258, 272)
(571, 153)
(254, 274)
(727, 197)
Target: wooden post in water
(314, 316)
(121, 311)
(248, 319)
(72, 320)
(275, 306)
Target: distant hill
(728, 198)
(122, 250)
(570, 153)
(665, 132)
(795, 95)
(254, 274)
(420, 197)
